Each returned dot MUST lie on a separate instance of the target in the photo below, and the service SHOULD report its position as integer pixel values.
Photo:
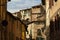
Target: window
(30, 31)
(55, 0)
(24, 15)
(39, 32)
(37, 23)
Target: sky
(16, 5)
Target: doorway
(55, 28)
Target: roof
(25, 9)
(37, 6)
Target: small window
(55, 0)
(39, 32)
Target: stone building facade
(38, 14)
(43, 14)
(52, 10)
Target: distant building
(38, 14)
(26, 18)
(26, 14)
